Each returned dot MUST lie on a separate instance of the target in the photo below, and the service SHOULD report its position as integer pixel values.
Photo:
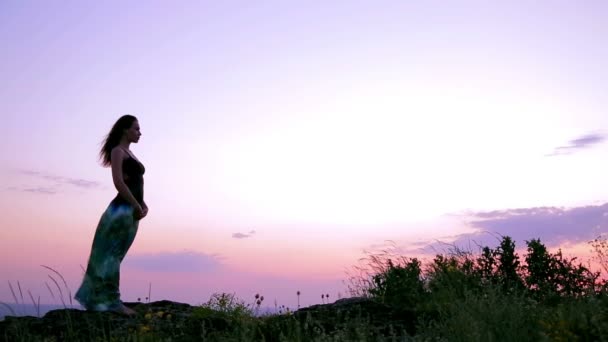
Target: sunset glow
(282, 141)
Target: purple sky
(282, 139)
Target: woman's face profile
(133, 133)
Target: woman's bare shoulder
(118, 153)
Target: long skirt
(114, 235)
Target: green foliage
(509, 268)
(489, 315)
(553, 275)
(452, 276)
(576, 319)
(226, 303)
(600, 248)
(399, 285)
(487, 265)
(495, 297)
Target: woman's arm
(117, 158)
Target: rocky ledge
(167, 320)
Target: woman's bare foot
(123, 310)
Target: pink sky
(283, 140)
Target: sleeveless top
(134, 172)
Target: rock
(167, 320)
(159, 317)
(366, 309)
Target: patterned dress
(114, 235)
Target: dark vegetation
(492, 295)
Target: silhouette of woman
(118, 224)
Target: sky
(285, 140)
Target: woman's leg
(113, 237)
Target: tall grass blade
(60, 292)
(9, 308)
(51, 291)
(21, 294)
(13, 293)
(34, 303)
(65, 284)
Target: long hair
(113, 138)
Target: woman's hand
(139, 212)
(145, 208)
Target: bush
(489, 315)
(400, 286)
(494, 297)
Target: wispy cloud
(53, 182)
(243, 236)
(81, 183)
(39, 190)
(582, 142)
(184, 261)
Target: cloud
(29, 172)
(184, 261)
(81, 183)
(39, 190)
(57, 181)
(554, 226)
(585, 141)
(243, 236)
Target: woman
(118, 225)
